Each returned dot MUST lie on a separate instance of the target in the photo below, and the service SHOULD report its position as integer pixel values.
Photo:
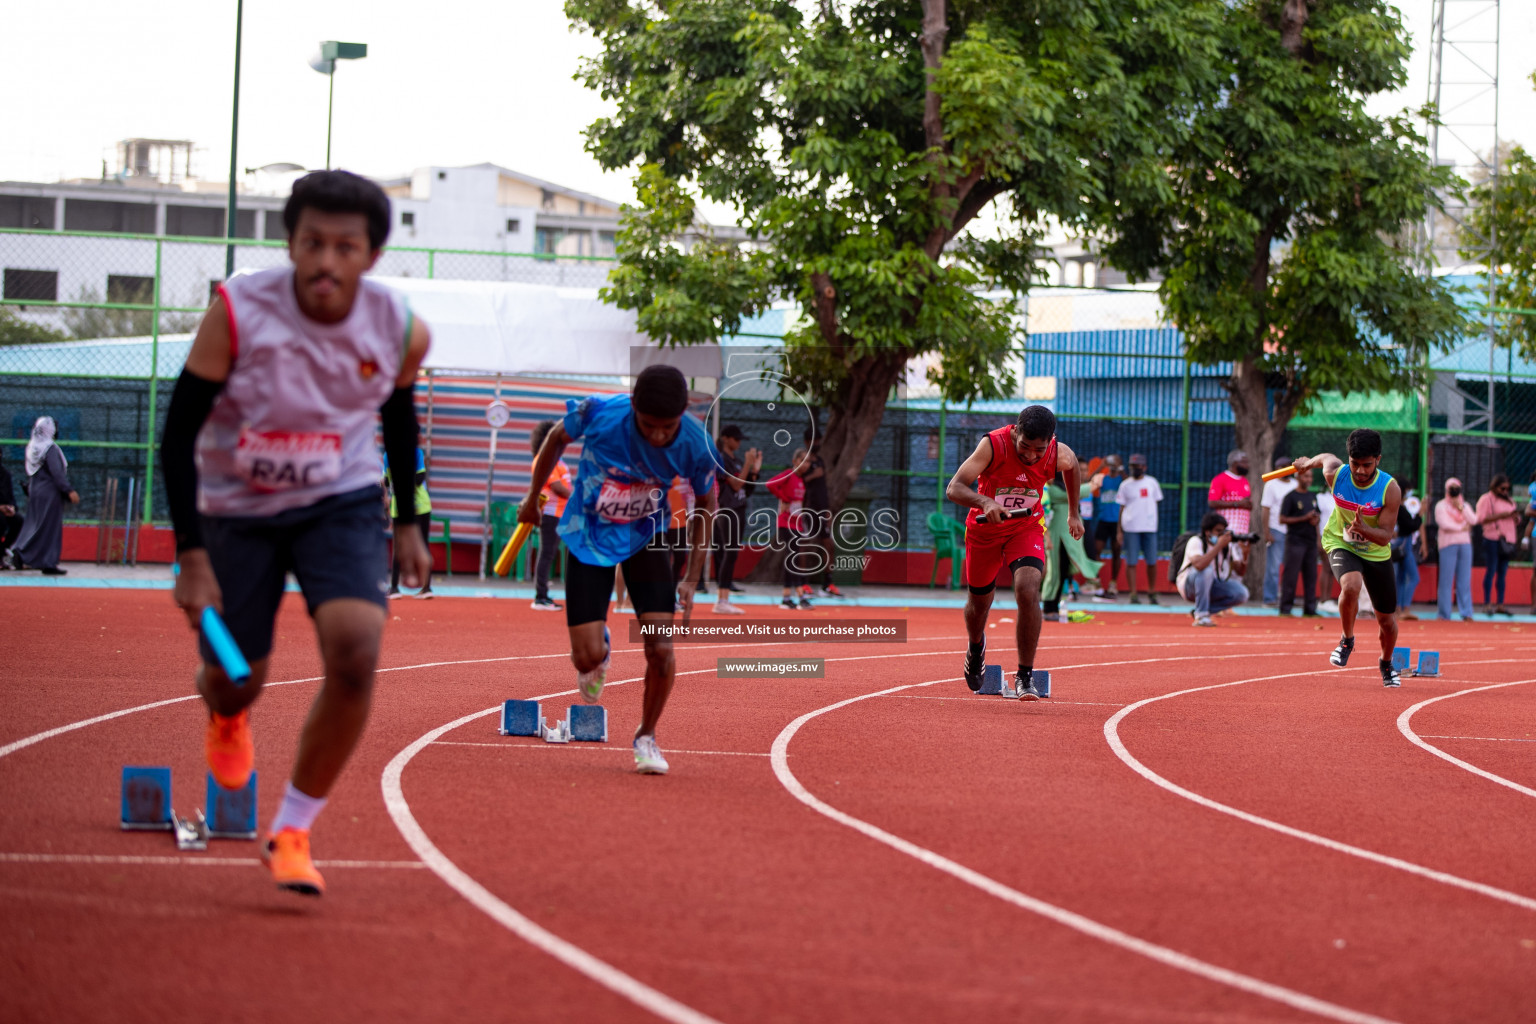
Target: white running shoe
(726, 608)
(1203, 620)
(648, 759)
(591, 683)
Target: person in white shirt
(1324, 578)
(1138, 497)
(1210, 563)
(1273, 530)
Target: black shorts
(1106, 531)
(1380, 577)
(335, 548)
(647, 578)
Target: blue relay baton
(224, 647)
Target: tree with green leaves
(1285, 244)
(858, 141)
(1507, 216)
(17, 330)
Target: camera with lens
(1245, 538)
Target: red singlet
(1013, 542)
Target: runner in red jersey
(1001, 483)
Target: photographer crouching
(1212, 568)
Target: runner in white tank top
(271, 467)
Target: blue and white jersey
(619, 496)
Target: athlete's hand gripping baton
(515, 542)
(224, 647)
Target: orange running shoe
(286, 855)
(230, 751)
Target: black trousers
(1300, 559)
(10, 529)
(549, 547)
(728, 523)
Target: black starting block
(995, 684)
(584, 723)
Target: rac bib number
(280, 460)
(621, 502)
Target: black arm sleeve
(191, 403)
(401, 433)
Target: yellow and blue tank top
(1353, 504)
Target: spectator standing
(1525, 529)
(813, 470)
(1066, 553)
(1404, 557)
(1106, 486)
(1455, 518)
(1206, 577)
(10, 520)
(1231, 494)
(422, 502)
(1137, 500)
(681, 500)
(48, 488)
(1300, 516)
(1325, 578)
(789, 488)
(1497, 512)
(737, 480)
(555, 491)
(1274, 529)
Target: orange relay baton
(1276, 474)
(515, 543)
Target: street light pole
(234, 143)
(324, 61)
(330, 108)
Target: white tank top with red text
(295, 421)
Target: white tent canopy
(527, 329)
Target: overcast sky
(445, 82)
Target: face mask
(1454, 492)
(1138, 471)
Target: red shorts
(989, 549)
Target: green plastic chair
(948, 542)
(503, 522)
(447, 541)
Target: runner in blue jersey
(632, 447)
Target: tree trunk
(853, 421)
(1259, 435)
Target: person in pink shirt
(1497, 512)
(1455, 518)
(1232, 495)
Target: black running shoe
(1389, 674)
(1024, 686)
(1341, 653)
(975, 666)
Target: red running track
(1277, 849)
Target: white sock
(298, 810)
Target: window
(97, 215)
(546, 199)
(26, 212)
(513, 225)
(581, 206)
(138, 291)
(442, 175)
(407, 219)
(39, 285)
(196, 221)
(605, 244)
(275, 229)
(547, 240)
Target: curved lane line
(1404, 726)
(1077, 922)
(1112, 735)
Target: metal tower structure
(1464, 90)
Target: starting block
(147, 799)
(191, 833)
(1429, 663)
(995, 684)
(1401, 656)
(231, 812)
(583, 723)
(521, 718)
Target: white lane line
(1405, 726)
(972, 698)
(191, 861)
(1077, 922)
(1112, 735)
(594, 747)
(1479, 739)
(573, 956)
